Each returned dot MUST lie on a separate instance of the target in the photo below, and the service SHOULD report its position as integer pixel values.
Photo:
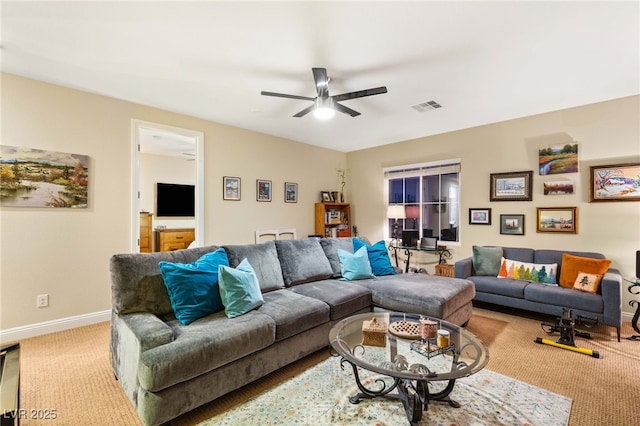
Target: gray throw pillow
(302, 261)
(486, 260)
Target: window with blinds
(425, 198)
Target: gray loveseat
(605, 305)
(167, 368)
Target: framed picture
(561, 187)
(557, 219)
(31, 177)
(512, 224)
(326, 196)
(515, 186)
(231, 188)
(263, 190)
(558, 159)
(290, 192)
(479, 216)
(619, 182)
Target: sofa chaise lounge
(521, 293)
(167, 368)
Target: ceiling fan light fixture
(324, 109)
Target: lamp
(413, 212)
(396, 212)
(324, 108)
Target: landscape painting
(619, 182)
(32, 177)
(557, 219)
(563, 187)
(558, 159)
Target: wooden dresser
(146, 243)
(174, 239)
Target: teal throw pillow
(193, 287)
(486, 260)
(378, 256)
(355, 266)
(239, 289)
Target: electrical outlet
(42, 301)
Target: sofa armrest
(148, 329)
(611, 289)
(131, 335)
(464, 268)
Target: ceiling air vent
(427, 106)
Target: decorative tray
(405, 329)
(430, 348)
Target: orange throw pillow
(573, 265)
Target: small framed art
(561, 187)
(290, 192)
(512, 224)
(563, 220)
(231, 188)
(515, 186)
(479, 216)
(326, 196)
(263, 190)
(619, 182)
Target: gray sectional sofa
(167, 368)
(605, 305)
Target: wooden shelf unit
(333, 219)
(174, 239)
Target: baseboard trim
(38, 329)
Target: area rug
(320, 396)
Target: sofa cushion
(136, 282)
(293, 313)
(565, 297)
(355, 266)
(505, 286)
(587, 282)
(330, 247)
(536, 272)
(378, 257)
(486, 260)
(204, 345)
(239, 289)
(343, 297)
(422, 294)
(193, 287)
(263, 258)
(302, 261)
(572, 265)
(522, 254)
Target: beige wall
(65, 253)
(607, 133)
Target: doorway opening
(186, 148)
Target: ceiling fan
(325, 105)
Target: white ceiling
(484, 62)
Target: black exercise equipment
(566, 328)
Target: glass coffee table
(410, 364)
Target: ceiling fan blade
(322, 82)
(282, 95)
(360, 94)
(305, 111)
(345, 110)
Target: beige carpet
(70, 372)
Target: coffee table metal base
(414, 394)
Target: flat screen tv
(175, 200)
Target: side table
(441, 251)
(634, 288)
